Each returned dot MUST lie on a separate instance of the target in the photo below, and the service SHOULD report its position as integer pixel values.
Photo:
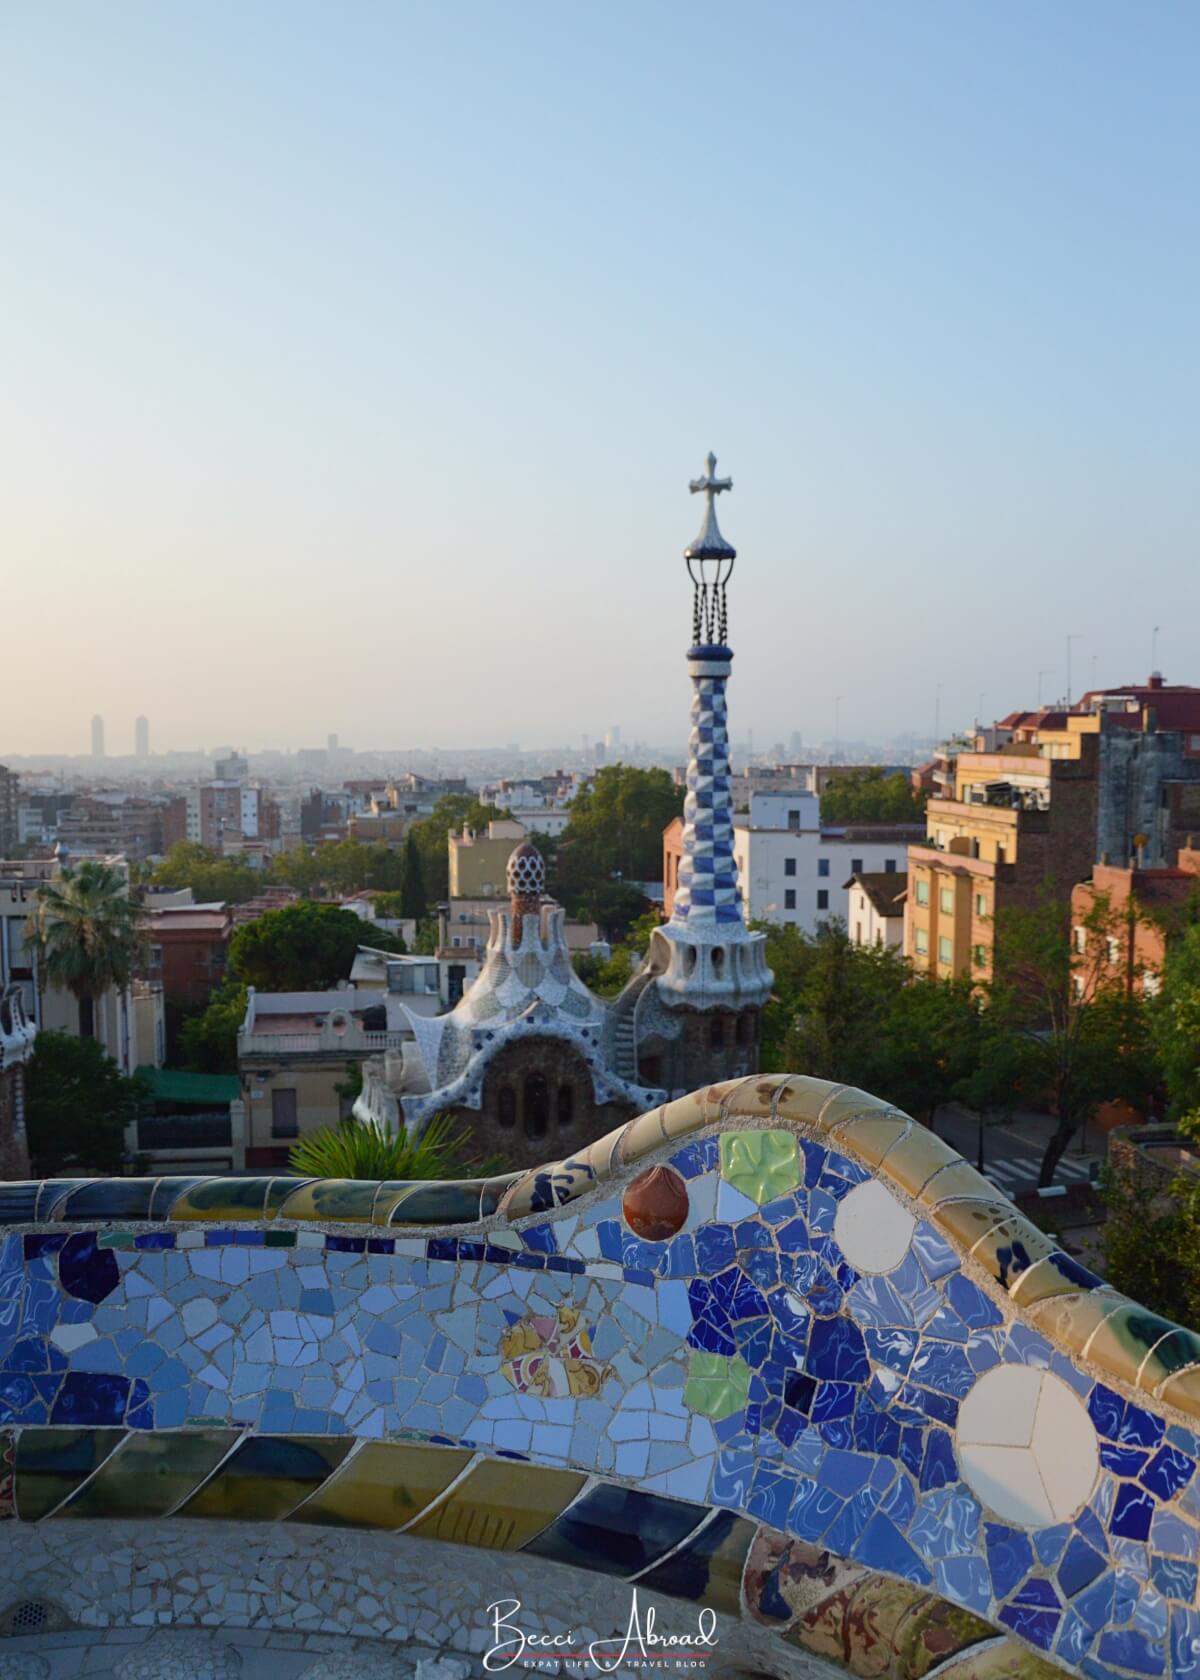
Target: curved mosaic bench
(773, 1348)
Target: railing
(185, 1131)
(352, 1042)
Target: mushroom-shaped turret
(526, 871)
(526, 885)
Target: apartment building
(296, 1054)
(1020, 822)
(187, 948)
(478, 862)
(9, 830)
(795, 870)
(1043, 795)
(875, 908)
(1140, 910)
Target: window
(283, 1114)
(789, 866)
(856, 866)
(945, 950)
(981, 904)
(858, 938)
(537, 1105)
(794, 821)
(921, 942)
(789, 899)
(1113, 947)
(922, 892)
(506, 1106)
(822, 899)
(1079, 939)
(889, 866)
(946, 901)
(566, 1104)
(1077, 984)
(822, 866)
(1151, 985)
(979, 956)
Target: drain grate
(31, 1615)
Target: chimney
(1156, 680)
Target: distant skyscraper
(141, 737)
(331, 743)
(97, 736)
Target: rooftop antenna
(1154, 648)
(1077, 637)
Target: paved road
(1012, 1153)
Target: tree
(1085, 1035)
(452, 810)
(412, 893)
(1151, 1239)
(209, 1040)
(930, 1045)
(85, 933)
(868, 795)
(614, 906)
(301, 948)
(78, 1104)
(830, 1005)
(356, 1149)
(1174, 1017)
(212, 878)
(614, 836)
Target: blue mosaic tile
(1168, 1472)
(1009, 1555)
(1131, 1650)
(1132, 1513)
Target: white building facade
(793, 871)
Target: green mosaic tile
(716, 1386)
(280, 1239)
(115, 1239)
(762, 1165)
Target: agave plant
(357, 1149)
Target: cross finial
(710, 483)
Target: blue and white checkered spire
(707, 892)
(706, 957)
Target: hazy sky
(356, 358)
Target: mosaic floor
(772, 1348)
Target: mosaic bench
(772, 1348)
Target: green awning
(176, 1085)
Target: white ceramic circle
(23, 1665)
(183, 1654)
(359, 1665)
(871, 1228)
(1026, 1446)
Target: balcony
(326, 1041)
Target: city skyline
(401, 401)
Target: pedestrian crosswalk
(1021, 1172)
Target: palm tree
(85, 933)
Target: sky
(356, 359)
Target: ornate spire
(709, 561)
